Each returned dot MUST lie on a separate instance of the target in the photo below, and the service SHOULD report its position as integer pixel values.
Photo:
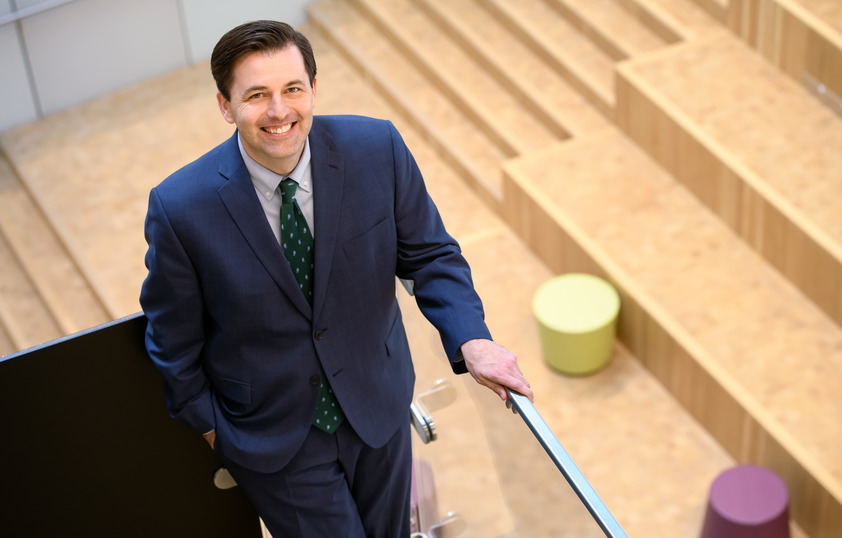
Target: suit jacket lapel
(328, 170)
(239, 198)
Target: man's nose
(277, 107)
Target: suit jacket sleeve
(432, 259)
(172, 301)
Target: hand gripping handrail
(567, 466)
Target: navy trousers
(336, 486)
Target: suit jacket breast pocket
(373, 253)
(369, 241)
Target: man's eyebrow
(261, 88)
(253, 89)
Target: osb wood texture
(717, 9)
(828, 12)
(44, 258)
(478, 94)
(622, 427)
(686, 366)
(616, 30)
(756, 363)
(461, 142)
(594, 417)
(557, 42)
(800, 36)
(23, 315)
(730, 140)
(673, 20)
(91, 168)
(547, 95)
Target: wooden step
(614, 29)
(769, 166)
(338, 79)
(443, 62)
(743, 350)
(487, 467)
(460, 487)
(718, 9)
(546, 94)
(801, 37)
(89, 169)
(46, 261)
(558, 43)
(25, 319)
(612, 421)
(828, 12)
(6, 345)
(464, 145)
(674, 20)
(613, 424)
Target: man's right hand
(210, 438)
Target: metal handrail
(567, 466)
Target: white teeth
(279, 130)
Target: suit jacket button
(319, 334)
(315, 380)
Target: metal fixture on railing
(425, 521)
(438, 397)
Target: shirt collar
(266, 181)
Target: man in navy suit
(245, 354)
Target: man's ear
(224, 107)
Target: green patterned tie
(297, 242)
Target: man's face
(272, 105)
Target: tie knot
(288, 187)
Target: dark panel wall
(87, 448)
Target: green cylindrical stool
(577, 316)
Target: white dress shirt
(266, 184)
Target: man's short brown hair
(256, 36)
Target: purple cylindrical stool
(747, 502)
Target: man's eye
(255, 96)
(294, 90)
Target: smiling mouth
(279, 130)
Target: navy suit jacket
(236, 341)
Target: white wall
(206, 20)
(17, 104)
(87, 48)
